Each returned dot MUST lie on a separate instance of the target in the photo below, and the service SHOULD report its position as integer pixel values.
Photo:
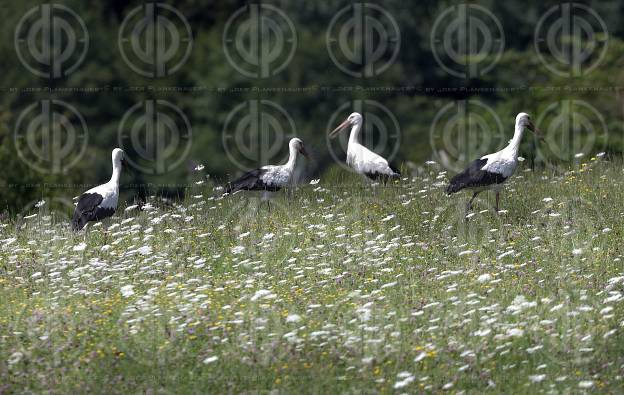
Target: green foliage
(333, 288)
(518, 82)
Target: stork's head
(523, 120)
(354, 119)
(296, 144)
(118, 157)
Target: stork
(270, 178)
(491, 171)
(364, 161)
(99, 202)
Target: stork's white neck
(354, 136)
(116, 174)
(514, 143)
(292, 157)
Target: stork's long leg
(497, 199)
(105, 231)
(469, 206)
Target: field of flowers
(334, 288)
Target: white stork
(491, 171)
(270, 178)
(99, 202)
(364, 161)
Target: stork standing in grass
(99, 202)
(491, 171)
(364, 161)
(270, 178)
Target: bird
(99, 202)
(270, 178)
(364, 161)
(492, 170)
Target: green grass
(362, 290)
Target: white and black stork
(491, 171)
(99, 202)
(364, 161)
(270, 178)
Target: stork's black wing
(474, 177)
(378, 176)
(251, 180)
(88, 209)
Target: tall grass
(334, 287)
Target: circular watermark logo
(380, 132)
(571, 39)
(259, 40)
(363, 39)
(51, 40)
(155, 40)
(50, 136)
(463, 131)
(158, 132)
(255, 133)
(467, 40)
(572, 129)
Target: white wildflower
(484, 278)
(515, 332)
(293, 318)
(263, 294)
(127, 291)
(406, 377)
(210, 360)
(145, 250)
(238, 250)
(537, 378)
(586, 384)
(15, 358)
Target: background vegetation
(519, 81)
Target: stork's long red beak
(340, 127)
(536, 131)
(303, 152)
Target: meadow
(335, 287)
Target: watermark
(51, 40)
(256, 132)
(158, 132)
(467, 40)
(380, 131)
(259, 40)
(571, 39)
(571, 129)
(155, 40)
(463, 131)
(50, 136)
(363, 40)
